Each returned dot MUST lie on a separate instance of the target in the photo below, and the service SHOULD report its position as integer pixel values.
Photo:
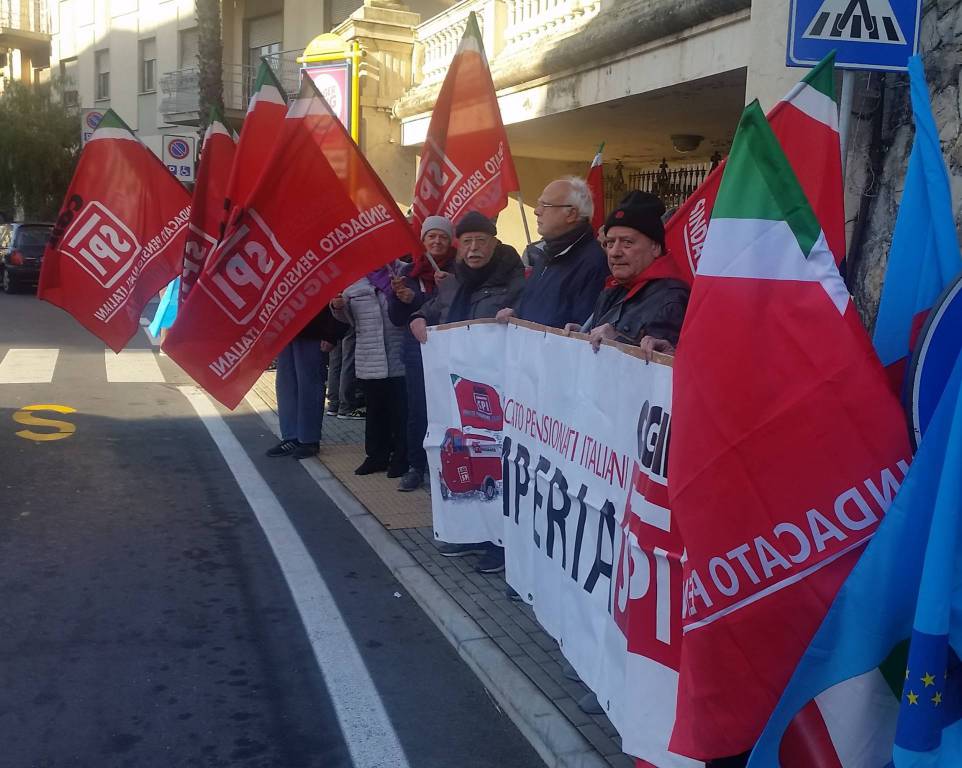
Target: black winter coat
(658, 310)
(500, 290)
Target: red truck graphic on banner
(471, 461)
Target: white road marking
(28, 366)
(133, 366)
(366, 727)
(150, 337)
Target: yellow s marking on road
(63, 428)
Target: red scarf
(422, 269)
(661, 268)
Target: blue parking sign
(865, 34)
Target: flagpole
(524, 219)
(845, 114)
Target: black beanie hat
(641, 211)
(475, 222)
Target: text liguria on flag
(788, 447)
(318, 220)
(207, 205)
(119, 238)
(806, 124)
(465, 163)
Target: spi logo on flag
(246, 266)
(101, 244)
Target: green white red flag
(207, 205)
(466, 162)
(806, 124)
(786, 451)
(318, 220)
(119, 238)
(262, 126)
(596, 183)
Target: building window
(148, 65)
(69, 82)
(264, 37)
(102, 70)
(189, 46)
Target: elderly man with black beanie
(488, 277)
(645, 299)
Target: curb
(545, 726)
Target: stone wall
(882, 136)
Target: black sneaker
(355, 415)
(492, 561)
(306, 450)
(283, 448)
(460, 550)
(412, 480)
(396, 470)
(369, 466)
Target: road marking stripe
(366, 727)
(133, 366)
(28, 366)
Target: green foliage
(39, 147)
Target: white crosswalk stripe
(133, 366)
(28, 366)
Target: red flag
(806, 124)
(120, 235)
(262, 125)
(787, 447)
(318, 220)
(466, 162)
(479, 404)
(207, 206)
(596, 183)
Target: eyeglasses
(543, 204)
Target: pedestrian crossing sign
(865, 34)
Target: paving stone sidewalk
(510, 625)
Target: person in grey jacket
(379, 367)
(645, 299)
(488, 277)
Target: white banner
(559, 454)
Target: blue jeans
(301, 374)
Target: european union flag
(925, 247)
(905, 588)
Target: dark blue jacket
(564, 286)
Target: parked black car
(21, 252)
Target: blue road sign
(938, 347)
(865, 34)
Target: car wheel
(8, 286)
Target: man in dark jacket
(645, 299)
(411, 288)
(301, 375)
(488, 277)
(571, 270)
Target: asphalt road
(147, 620)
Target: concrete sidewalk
(499, 639)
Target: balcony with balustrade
(25, 26)
(180, 93)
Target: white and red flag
(596, 183)
(806, 124)
(119, 238)
(207, 205)
(466, 162)
(787, 447)
(318, 220)
(262, 126)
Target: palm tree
(210, 54)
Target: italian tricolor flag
(783, 423)
(806, 125)
(262, 126)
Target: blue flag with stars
(905, 590)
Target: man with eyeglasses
(488, 276)
(572, 268)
